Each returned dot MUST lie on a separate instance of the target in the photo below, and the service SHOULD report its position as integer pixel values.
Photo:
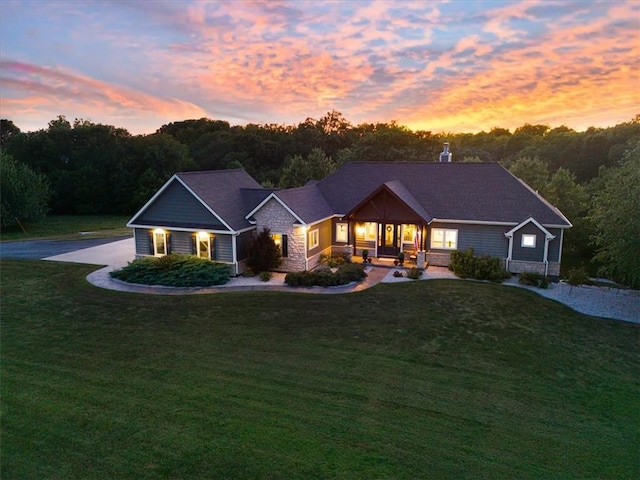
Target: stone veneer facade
(519, 266)
(276, 218)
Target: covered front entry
(389, 240)
(387, 222)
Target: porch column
(420, 259)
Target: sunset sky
(457, 66)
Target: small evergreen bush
(414, 273)
(534, 279)
(467, 265)
(578, 276)
(265, 276)
(347, 272)
(175, 270)
(262, 252)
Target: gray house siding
(484, 239)
(178, 207)
(224, 249)
(525, 253)
(324, 236)
(242, 243)
(554, 245)
(143, 247)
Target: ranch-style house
(426, 210)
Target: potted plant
(365, 256)
(401, 258)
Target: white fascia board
(546, 232)
(323, 219)
(131, 222)
(204, 204)
(276, 198)
(543, 200)
(471, 222)
(182, 229)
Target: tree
(616, 217)
(7, 130)
(24, 194)
(300, 170)
(531, 170)
(262, 252)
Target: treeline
(102, 169)
(94, 168)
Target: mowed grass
(437, 379)
(69, 227)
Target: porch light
(158, 230)
(202, 234)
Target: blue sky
(440, 66)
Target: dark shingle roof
(307, 202)
(484, 192)
(225, 192)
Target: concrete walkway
(596, 301)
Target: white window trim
(314, 238)
(342, 232)
(528, 236)
(155, 244)
(199, 238)
(444, 239)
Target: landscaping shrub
(174, 270)
(578, 276)
(262, 252)
(467, 265)
(414, 273)
(347, 272)
(534, 279)
(265, 276)
(335, 259)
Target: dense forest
(102, 169)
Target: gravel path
(603, 302)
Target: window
(342, 232)
(408, 233)
(159, 243)
(281, 242)
(203, 246)
(444, 239)
(528, 241)
(314, 238)
(370, 229)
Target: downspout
(234, 239)
(510, 253)
(546, 255)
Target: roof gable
(390, 203)
(175, 206)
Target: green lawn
(437, 379)
(71, 227)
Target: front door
(389, 239)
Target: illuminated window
(203, 246)
(314, 238)
(370, 230)
(342, 232)
(281, 242)
(408, 233)
(444, 239)
(528, 241)
(159, 243)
